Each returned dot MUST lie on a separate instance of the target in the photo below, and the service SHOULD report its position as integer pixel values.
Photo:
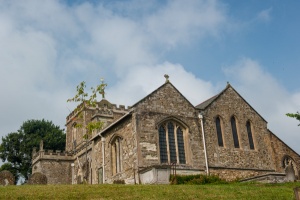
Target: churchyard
(210, 191)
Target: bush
(119, 182)
(198, 179)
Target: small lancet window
(219, 132)
(234, 133)
(250, 136)
(116, 155)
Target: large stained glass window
(171, 143)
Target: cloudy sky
(48, 47)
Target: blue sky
(48, 47)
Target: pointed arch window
(171, 143)
(234, 133)
(250, 136)
(163, 145)
(219, 132)
(116, 158)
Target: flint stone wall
(162, 105)
(225, 106)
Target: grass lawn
(222, 191)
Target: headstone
(290, 173)
(6, 178)
(37, 179)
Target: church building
(163, 132)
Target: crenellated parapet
(102, 109)
(51, 155)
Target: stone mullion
(176, 143)
(167, 141)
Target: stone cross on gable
(167, 77)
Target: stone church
(163, 133)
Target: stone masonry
(143, 143)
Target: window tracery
(171, 143)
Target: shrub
(119, 182)
(198, 179)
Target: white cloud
(268, 97)
(182, 21)
(142, 80)
(47, 47)
(265, 15)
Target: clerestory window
(171, 143)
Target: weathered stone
(137, 154)
(37, 179)
(6, 178)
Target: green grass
(210, 191)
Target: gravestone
(37, 179)
(6, 178)
(290, 173)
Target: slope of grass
(221, 191)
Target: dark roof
(204, 104)
(207, 103)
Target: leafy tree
(85, 101)
(294, 115)
(16, 148)
(9, 167)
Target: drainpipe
(204, 143)
(103, 158)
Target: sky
(48, 47)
